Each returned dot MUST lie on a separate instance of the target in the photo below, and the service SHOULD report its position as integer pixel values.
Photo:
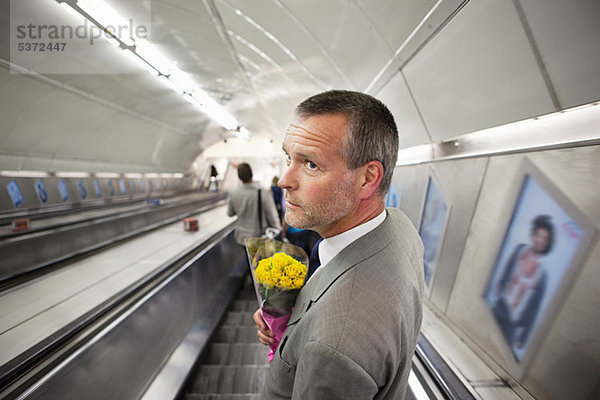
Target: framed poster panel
(111, 187)
(133, 188)
(63, 190)
(97, 189)
(150, 188)
(544, 245)
(393, 197)
(40, 190)
(15, 193)
(432, 228)
(122, 186)
(142, 186)
(82, 189)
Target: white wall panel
(567, 34)
(479, 71)
(411, 184)
(460, 182)
(565, 365)
(396, 96)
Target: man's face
(320, 192)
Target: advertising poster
(40, 189)
(15, 193)
(122, 186)
(97, 188)
(433, 226)
(142, 186)
(81, 188)
(393, 197)
(133, 188)
(62, 189)
(537, 252)
(111, 187)
(150, 188)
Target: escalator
(234, 364)
(187, 335)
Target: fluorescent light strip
(25, 174)
(170, 84)
(72, 174)
(140, 62)
(107, 17)
(243, 133)
(133, 175)
(568, 128)
(107, 175)
(146, 55)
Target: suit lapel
(356, 252)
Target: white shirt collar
(330, 247)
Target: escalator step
(247, 294)
(235, 334)
(213, 379)
(245, 305)
(238, 318)
(236, 354)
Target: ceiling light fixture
(147, 56)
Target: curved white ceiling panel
(478, 72)
(466, 65)
(405, 14)
(567, 35)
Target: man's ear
(371, 176)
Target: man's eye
(311, 165)
(288, 159)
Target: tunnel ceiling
(257, 59)
(94, 110)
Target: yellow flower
(281, 271)
(298, 283)
(276, 273)
(285, 283)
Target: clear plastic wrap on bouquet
(278, 272)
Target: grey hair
(372, 132)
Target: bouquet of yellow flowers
(279, 272)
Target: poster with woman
(537, 259)
(432, 227)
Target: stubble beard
(335, 206)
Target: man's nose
(286, 179)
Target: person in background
(304, 238)
(213, 178)
(277, 196)
(243, 202)
(354, 326)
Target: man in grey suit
(243, 202)
(355, 323)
